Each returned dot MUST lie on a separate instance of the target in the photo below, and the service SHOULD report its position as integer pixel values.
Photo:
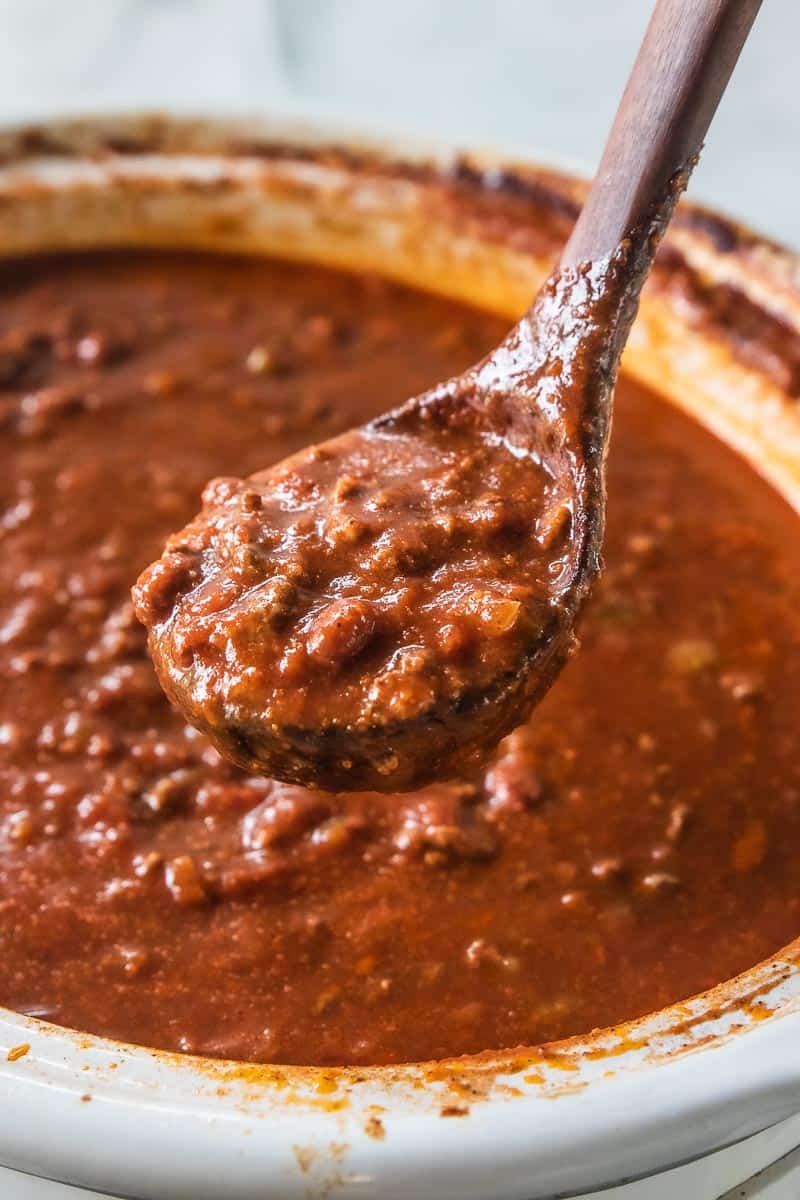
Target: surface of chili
(635, 843)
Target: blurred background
(537, 76)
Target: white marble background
(541, 75)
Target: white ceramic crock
(720, 1071)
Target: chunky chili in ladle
(380, 609)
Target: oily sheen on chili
(635, 843)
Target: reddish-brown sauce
(377, 581)
(635, 843)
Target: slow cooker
(697, 1099)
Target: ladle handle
(684, 64)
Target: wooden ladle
(377, 611)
